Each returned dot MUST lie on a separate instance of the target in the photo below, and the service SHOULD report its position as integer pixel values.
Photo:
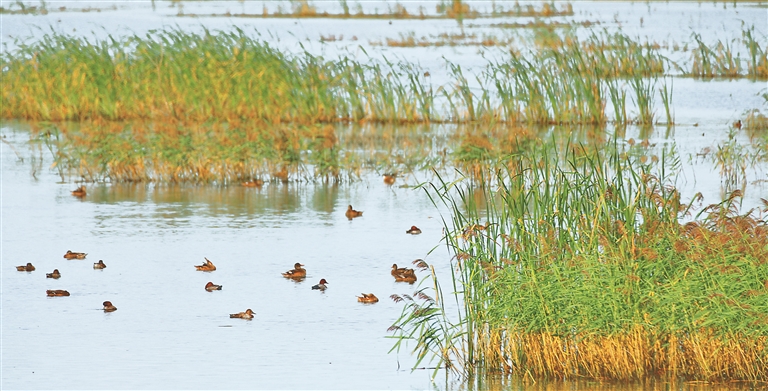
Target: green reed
(721, 60)
(569, 264)
(171, 75)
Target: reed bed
(451, 9)
(572, 264)
(723, 60)
(182, 77)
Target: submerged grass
(234, 152)
(573, 265)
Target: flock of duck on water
(298, 272)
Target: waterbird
(321, 286)
(55, 274)
(248, 314)
(389, 178)
(99, 265)
(351, 213)
(27, 268)
(402, 274)
(108, 307)
(297, 272)
(414, 230)
(210, 287)
(367, 298)
(79, 192)
(74, 255)
(207, 266)
(253, 183)
(56, 292)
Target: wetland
(589, 180)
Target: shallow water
(169, 332)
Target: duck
(351, 213)
(396, 271)
(56, 292)
(403, 275)
(414, 230)
(79, 192)
(99, 265)
(253, 183)
(297, 272)
(55, 274)
(389, 179)
(737, 124)
(367, 298)
(73, 255)
(27, 268)
(321, 285)
(108, 307)
(248, 314)
(207, 266)
(210, 287)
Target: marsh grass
(181, 77)
(451, 9)
(722, 59)
(573, 264)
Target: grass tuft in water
(574, 264)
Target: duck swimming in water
(108, 307)
(56, 292)
(27, 268)
(321, 285)
(414, 230)
(351, 213)
(248, 314)
(79, 192)
(297, 272)
(74, 255)
(210, 287)
(402, 274)
(207, 266)
(367, 298)
(55, 274)
(99, 265)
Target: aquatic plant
(577, 265)
(176, 76)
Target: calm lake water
(169, 333)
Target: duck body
(108, 307)
(56, 292)
(367, 298)
(79, 192)
(55, 274)
(321, 285)
(207, 266)
(74, 255)
(389, 179)
(297, 272)
(210, 287)
(99, 265)
(26, 268)
(253, 183)
(414, 230)
(351, 213)
(248, 314)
